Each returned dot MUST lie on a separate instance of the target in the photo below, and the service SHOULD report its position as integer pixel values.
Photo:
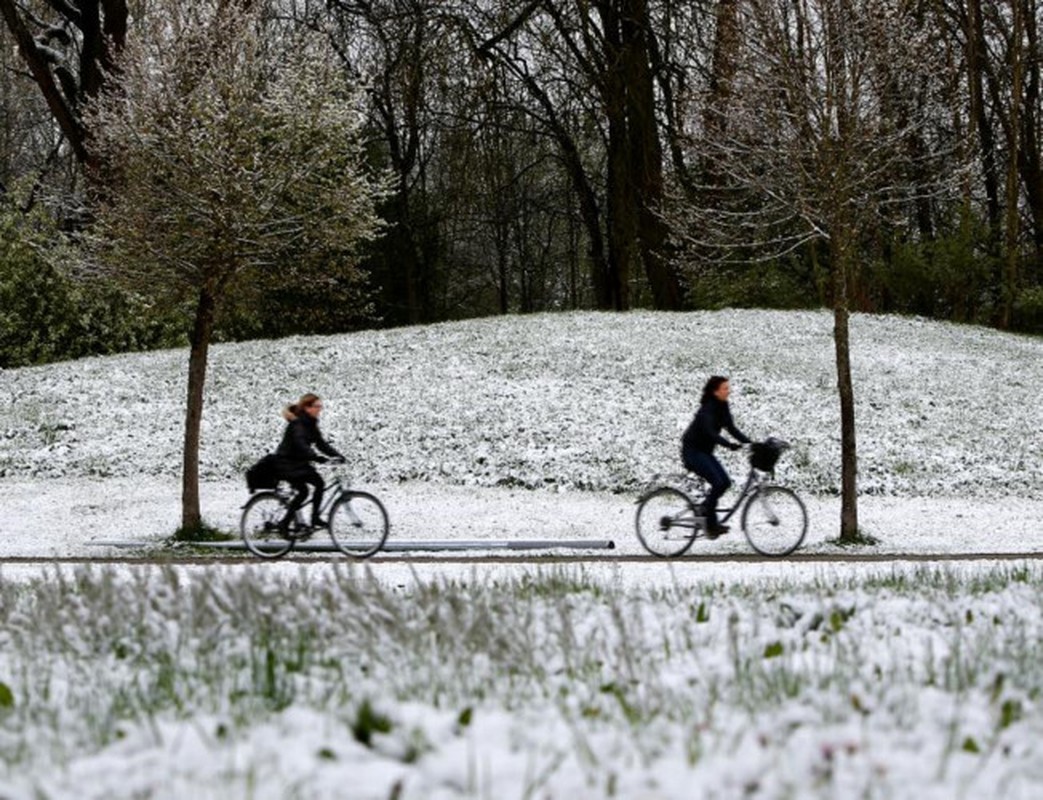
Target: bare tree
(400, 51)
(601, 55)
(28, 137)
(229, 148)
(814, 144)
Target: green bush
(1028, 310)
(48, 315)
(785, 284)
(949, 277)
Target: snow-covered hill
(570, 401)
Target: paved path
(162, 559)
(63, 518)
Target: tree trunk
(721, 78)
(202, 331)
(621, 202)
(1013, 226)
(646, 157)
(1030, 158)
(621, 215)
(848, 451)
(977, 68)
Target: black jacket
(299, 440)
(704, 432)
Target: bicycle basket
(764, 455)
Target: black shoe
(319, 523)
(716, 530)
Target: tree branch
(489, 44)
(37, 62)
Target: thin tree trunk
(1030, 161)
(848, 450)
(1013, 226)
(621, 202)
(202, 332)
(842, 246)
(621, 214)
(977, 52)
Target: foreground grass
(779, 688)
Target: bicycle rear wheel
(358, 524)
(774, 521)
(667, 522)
(259, 526)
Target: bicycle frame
(753, 482)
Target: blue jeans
(706, 466)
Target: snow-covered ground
(545, 425)
(692, 678)
(80, 517)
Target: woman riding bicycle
(295, 454)
(699, 441)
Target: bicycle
(669, 514)
(357, 521)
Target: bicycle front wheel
(774, 521)
(666, 522)
(358, 524)
(259, 526)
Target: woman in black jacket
(699, 441)
(296, 453)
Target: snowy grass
(570, 401)
(249, 683)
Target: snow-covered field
(542, 426)
(657, 680)
(577, 401)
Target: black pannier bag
(262, 475)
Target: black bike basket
(764, 456)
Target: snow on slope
(566, 401)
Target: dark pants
(300, 478)
(706, 466)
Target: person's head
(310, 404)
(717, 387)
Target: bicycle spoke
(666, 523)
(774, 521)
(359, 524)
(260, 526)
